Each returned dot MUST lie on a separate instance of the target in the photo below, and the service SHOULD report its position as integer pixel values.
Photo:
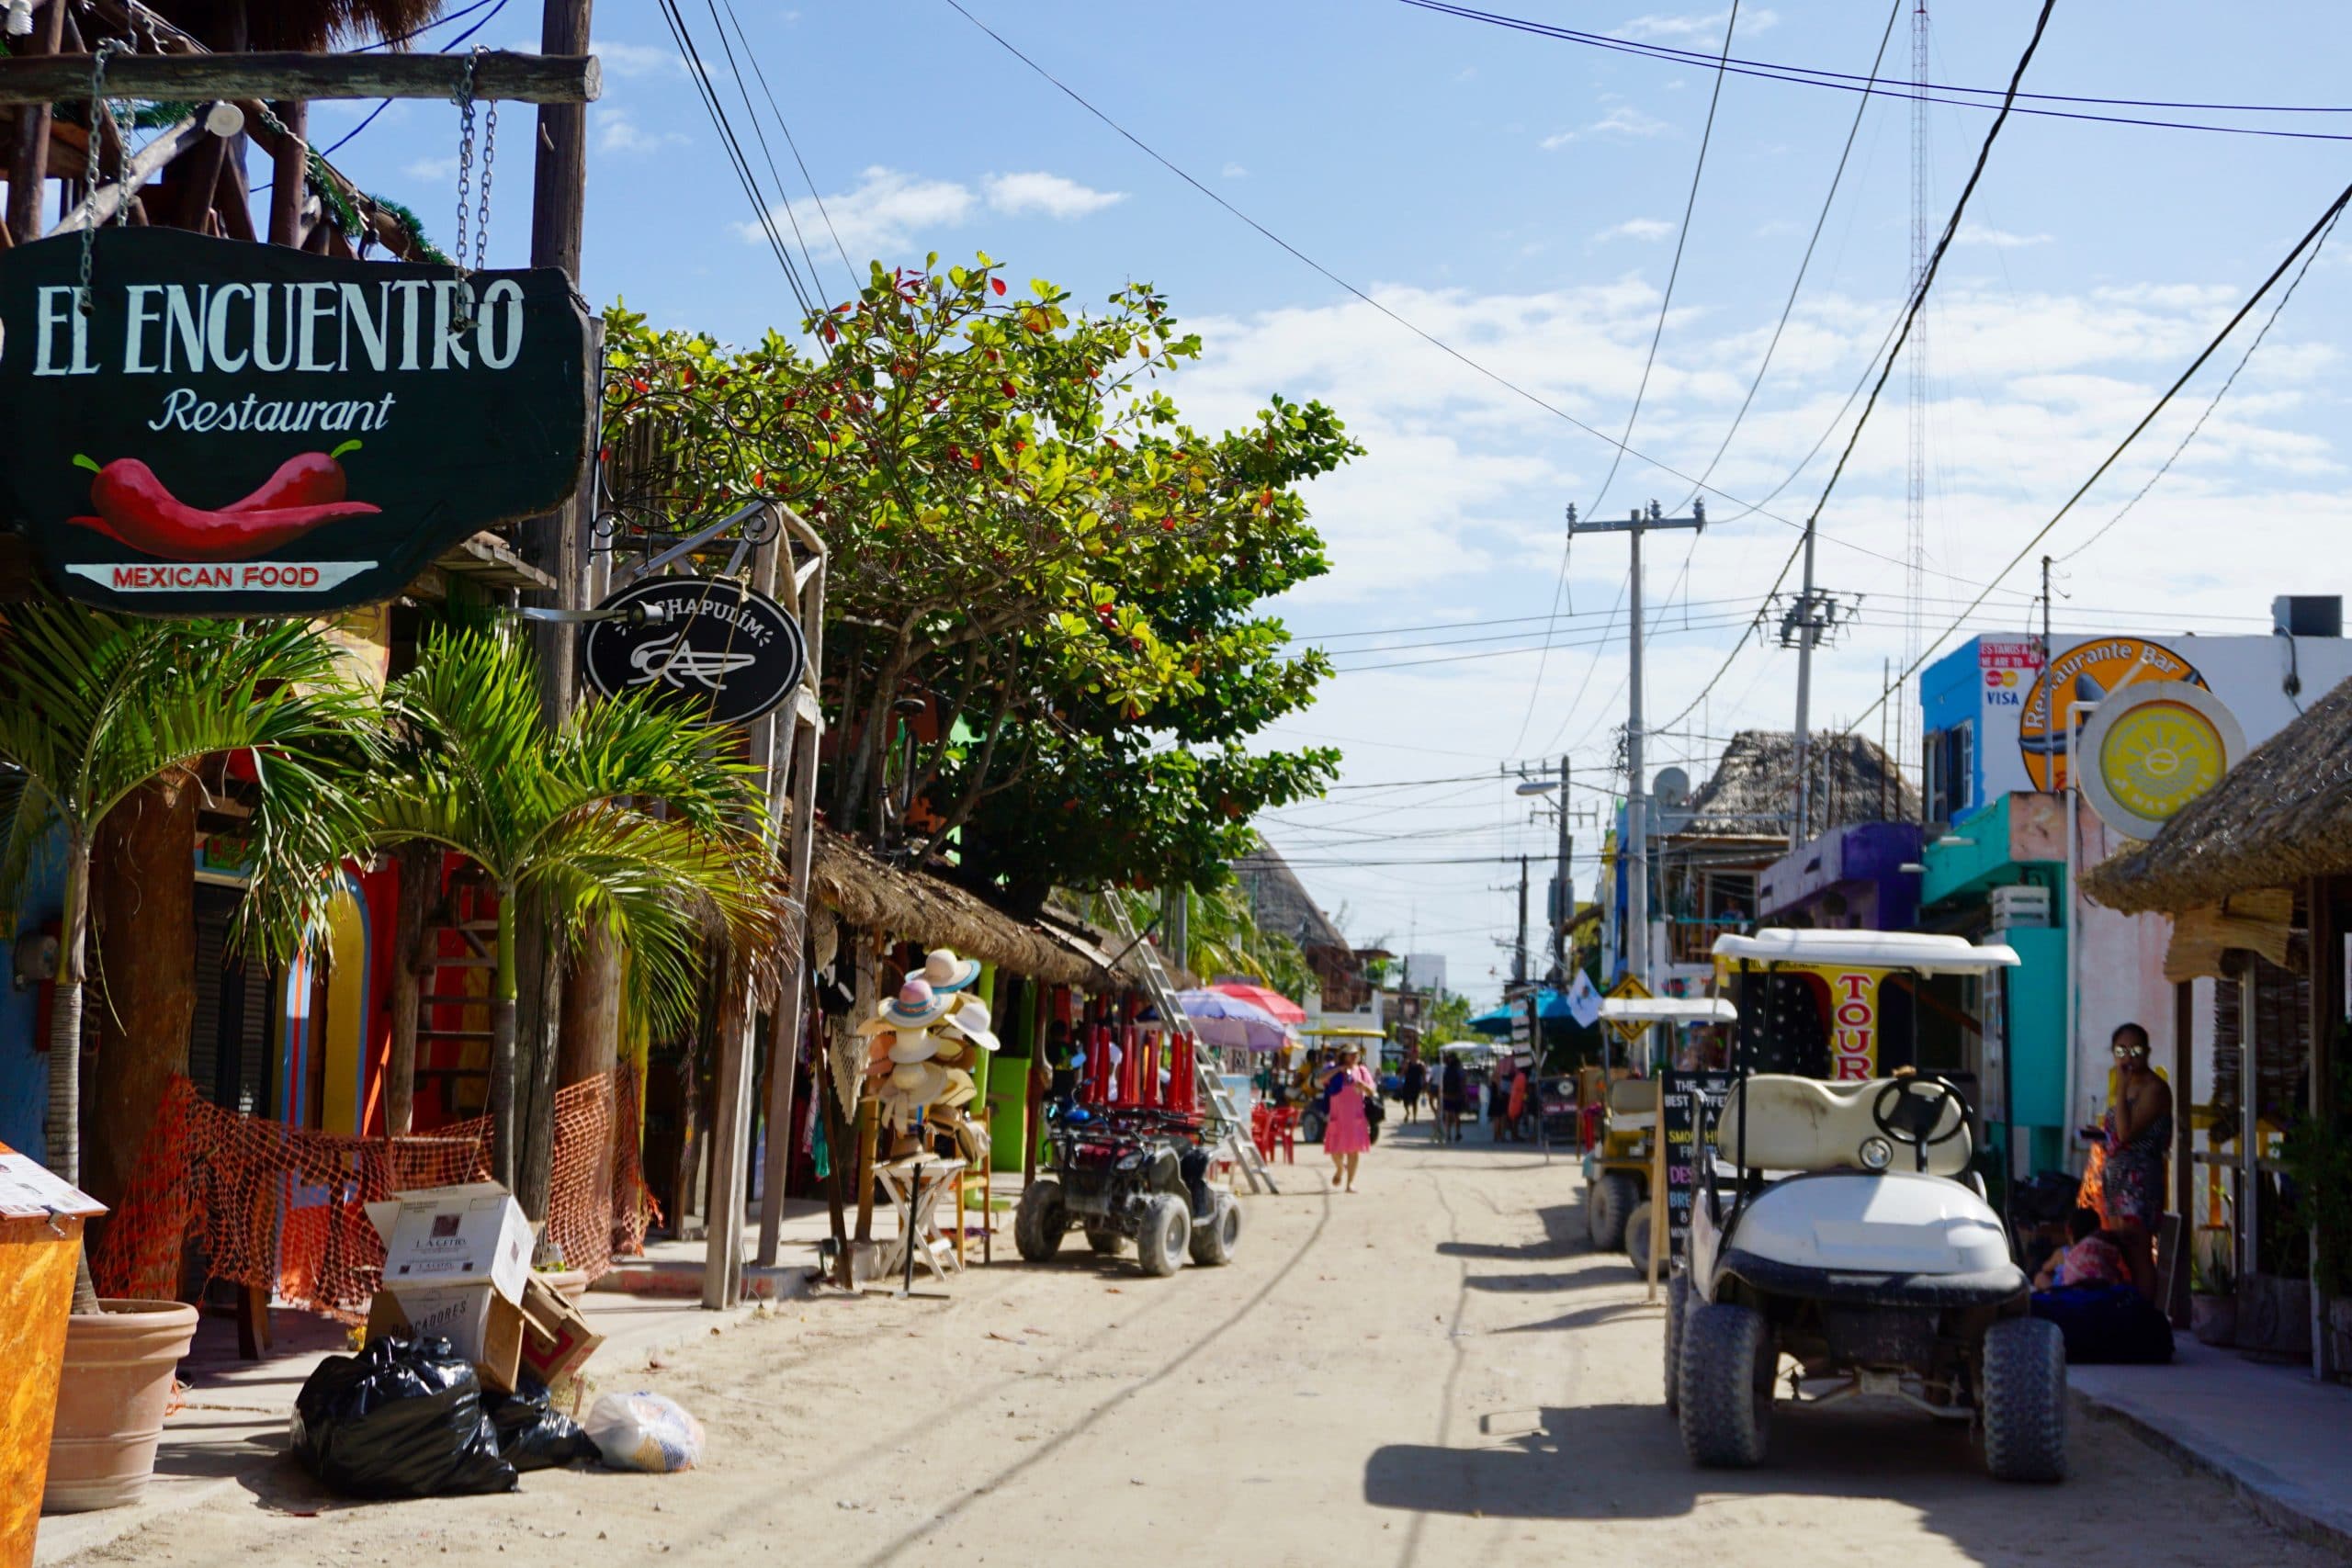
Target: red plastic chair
(1286, 1134)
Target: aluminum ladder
(1227, 1127)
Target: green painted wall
(2037, 1028)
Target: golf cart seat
(1633, 1103)
(1810, 1124)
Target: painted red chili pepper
(135, 508)
(314, 478)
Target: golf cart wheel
(1726, 1403)
(2024, 1400)
(1310, 1127)
(1637, 1237)
(1213, 1237)
(1038, 1224)
(1105, 1241)
(1608, 1204)
(1167, 1232)
(1678, 1307)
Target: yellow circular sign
(2160, 756)
(2148, 754)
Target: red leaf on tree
(1006, 387)
(997, 284)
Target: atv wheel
(1637, 1238)
(1106, 1242)
(1725, 1402)
(1039, 1224)
(1607, 1203)
(1213, 1237)
(2024, 1400)
(1678, 1307)
(1167, 1232)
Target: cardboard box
(556, 1336)
(480, 1325)
(456, 1263)
(450, 1236)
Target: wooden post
(290, 177)
(731, 1127)
(806, 720)
(28, 165)
(419, 869)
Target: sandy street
(1433, 1370)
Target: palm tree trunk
(142, 934)
(502, 1044)
(420, 869)
(64, 1131)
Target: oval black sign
(723, 647)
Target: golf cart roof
(1338, 1032)
(1669, 1010)
(1467, 1048)
(1920, 952)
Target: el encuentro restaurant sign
(253, 429)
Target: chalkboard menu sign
(1681, 1096)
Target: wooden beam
(29, 162)
(288, 76)
(143, 164)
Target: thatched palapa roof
(1281, 904)
(875, 897)
(1752, 789)
(2283, 814)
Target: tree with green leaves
(631, 815)
(95, 706)
(1030, 546)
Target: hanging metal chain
(106, 51)
(472, 253)
(464, 99)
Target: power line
(1649, 363)
(759, 131)
(1810, 77)
(2310, 236)
(2223, 392)
(774, 108)
(1423, 333)
(345, 140)
(1789, 305)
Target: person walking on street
(1414, 1082)
(1453, 1094)
(2137, 1129)
(1347, 1130)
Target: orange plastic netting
(282, 1209)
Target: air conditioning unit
(2020, 907)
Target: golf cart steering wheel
(1908, 1110)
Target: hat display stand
(921, 1047)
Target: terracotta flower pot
(110, 1403)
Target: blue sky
(1519, 197)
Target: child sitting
(2090, 1258)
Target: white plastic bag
(644, 1431)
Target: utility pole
(1805, 625)
(1637, 815)
(1565, 908)
(1519, 954)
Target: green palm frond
(95, 705)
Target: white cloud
(891, 208)
(430, 169)
(1681, 28)
(1649, 231)
(1624, 120)
(1468, 74)
(637, 59)
(1052, 196)
(1235, 171)
(617, 132)
(2000, 239)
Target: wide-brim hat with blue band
(916, 1005)
(948, 972)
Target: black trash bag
(402, 1418)
(2106, 1324)
(532, 1433)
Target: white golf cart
(1626, 1167)
(1839, 1224)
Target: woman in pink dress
(1346, 1131)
